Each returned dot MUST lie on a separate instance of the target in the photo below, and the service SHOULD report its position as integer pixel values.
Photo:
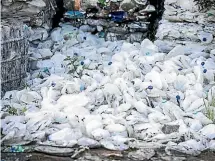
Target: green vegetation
(15, 111)
(210, 110)
(23, 110)
(12, 111)
(75, 67)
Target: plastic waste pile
(117, 20)
(36, 15)
(83, 90)
(31, 12)
(184, 24)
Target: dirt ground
(104, 155)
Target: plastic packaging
(66, 134)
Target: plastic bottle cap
(164, 101)
(148, 53)
(109, 63)
(82, 63)
(180, 69)
(13, 149)
(178, 97)
(205, 71)
(82, 87)
(202, 63)
(150, 87)
(195, 113)
(46, 69)
(53, 84)
(204, 39)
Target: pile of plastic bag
(89, 92)
(183, 23)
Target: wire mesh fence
(14, 55)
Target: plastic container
(117, 16)
(205, 37)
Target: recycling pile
(117, 20)
(184, 24)
(35, 15)
(117, 95)
(34, 12)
